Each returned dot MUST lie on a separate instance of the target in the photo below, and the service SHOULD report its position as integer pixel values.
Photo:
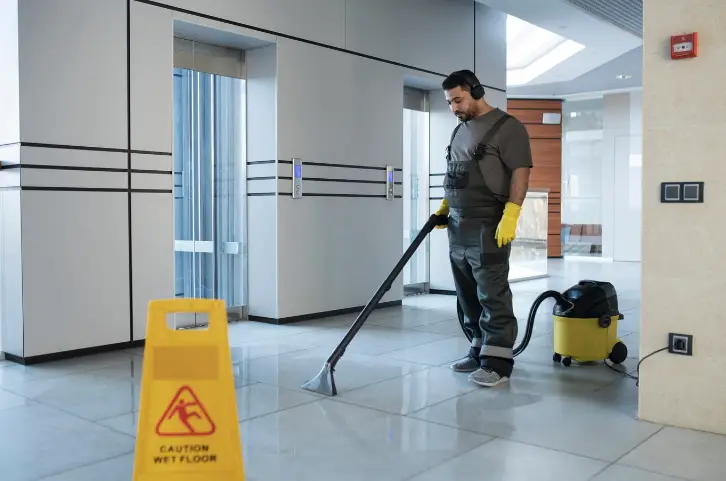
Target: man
(487, 177)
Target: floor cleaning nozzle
(324, 383)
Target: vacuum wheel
(556, 357)
(567, 361)
(619, 353)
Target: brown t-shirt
(508, 150)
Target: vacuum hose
(531, 318)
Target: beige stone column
(684, 263)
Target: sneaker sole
(490, 384)
(455, 369)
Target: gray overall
(479, 266)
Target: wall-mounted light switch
(681, 192)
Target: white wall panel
(262, 210)
(441, 123)
(73, 179)
(318, 20)
(152, 31)
(73, 158)
(75, 270)
(338, 108)
(491, 52)
(495, 98)
(11, 274)
(152, 181)
(435, 35)
(152, 162)
(73, 72)
(9, 155)
(9, 73)
(261, 105)
(10, 178)
(351, 114)
(334, 252)
(262, 235)
(152, 234)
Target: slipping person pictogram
(185, 408)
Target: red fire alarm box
(684, 46)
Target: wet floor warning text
(185, 454)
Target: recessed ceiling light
(623, 76)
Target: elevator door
(209, 189)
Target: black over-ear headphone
(477, 89)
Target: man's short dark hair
(460, 78)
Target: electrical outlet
(680, 344)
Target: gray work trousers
(481, 277)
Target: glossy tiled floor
(401, 413)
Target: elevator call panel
(389, 182)
(297, 191)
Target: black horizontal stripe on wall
(298, 39)
(267, 177)
(436, 198)
(92, 169)
(40, 145)
(344, 166)
(260, 194)
(94, 189)
(260, 162)
(362, 196)
(350, 181)
(436, 187)
(437, 175)
(8, 166)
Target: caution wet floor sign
(188, 425)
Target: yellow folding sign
(188, 426)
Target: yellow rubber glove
(443, 210)
(507, 228)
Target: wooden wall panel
(540, 131)
(546, 141)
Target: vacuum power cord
(637, 369)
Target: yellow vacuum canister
(586, 324)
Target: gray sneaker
(468, 364)
(487, 377)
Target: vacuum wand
(324, 383)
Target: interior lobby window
(415, 184)
(582, 174)
(209, 172)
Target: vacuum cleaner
(585, 328)
(585, 324)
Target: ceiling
(610, 30)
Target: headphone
(477, 89)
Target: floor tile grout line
(58, 473)
(526, 443)
(460, 455)
(96, 422)
(617, 461)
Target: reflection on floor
(401, 415)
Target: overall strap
(482, 147)
(453, 135)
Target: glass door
(209, 188)
(415, 195)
